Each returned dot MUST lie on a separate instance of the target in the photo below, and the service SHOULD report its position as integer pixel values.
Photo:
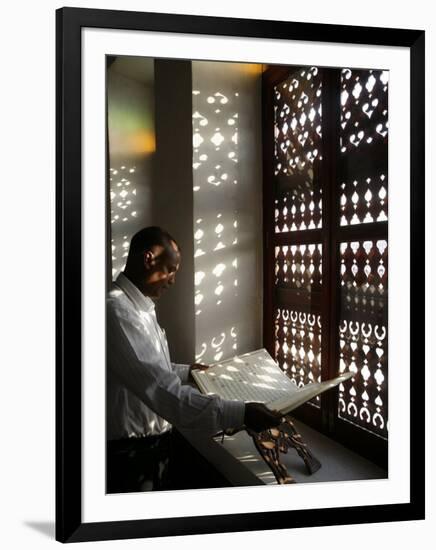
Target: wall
(131, 150)
(202, 183)
(172, 199)
(227, 208)
(28, 340)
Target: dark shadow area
(47, 528)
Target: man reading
(148, 394)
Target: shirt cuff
(233, 414)
(182, 372)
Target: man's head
(153, 260)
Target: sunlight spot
(217, 139)
(199, 276)
(218, 269)
(197, 140)
(231, 368)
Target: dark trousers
(158, 463)
(139, 464)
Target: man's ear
(148, 259)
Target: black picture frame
(69, 22)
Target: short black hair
(144, 239)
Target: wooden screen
(326, 253)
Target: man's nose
(172, 279)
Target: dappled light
(124, 212)
(215, 142)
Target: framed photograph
(287, 161)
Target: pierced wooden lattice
(298, 346)
(297, 151)
(364, 109)
(364, 279)
(364, 201)
(364, 146)
(299, 266)
(363, 340)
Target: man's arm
(135, 359)
(182, 371)
(185, 371)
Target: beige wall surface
(227, 221)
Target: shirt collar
(144, 303)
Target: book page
(253, 376)
(256, 377)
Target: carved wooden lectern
(270, 443)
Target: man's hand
(196, 366)
(258, 417)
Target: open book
(256, 376)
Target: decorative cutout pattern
(364, 109)
(270, 443)
(364, 146)
(364, 275)
(297, 151)
(298, 346)
(299, 266)
(363, 334)
(363, 400)
(364, 201)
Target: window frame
(325, 418)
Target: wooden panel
(297, 150)
(300, 300)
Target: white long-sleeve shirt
(145, 390)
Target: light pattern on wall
(298, 151)
(215, 163)
(363, 334)
(298, 346)
(124, 211)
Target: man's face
(161, 265)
